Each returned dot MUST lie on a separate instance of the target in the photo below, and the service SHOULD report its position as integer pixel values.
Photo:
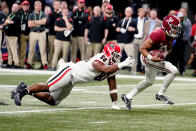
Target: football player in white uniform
(101, 66)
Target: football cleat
(115, 107)
(164, 99)
(21, 86)
(126, 101)
(18, 93)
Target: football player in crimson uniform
(161, 38)
(101, 66)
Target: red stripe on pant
(59, 78)
(157, 67)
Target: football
(161, 54)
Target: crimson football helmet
(113, 52)
(172, 26)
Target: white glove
(128, 62)
(122, 30)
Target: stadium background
(163, 6)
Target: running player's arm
(169, 49)
(144, 50)
(101, 67)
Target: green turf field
(87, 108)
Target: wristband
(149, 57)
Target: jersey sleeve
(155, 37)
(31, 17)
(101, 58)
(57, 23)
(43, 15)
(87, 25)
(119, 23)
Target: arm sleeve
(30, 17)
(119, 24)
(57, 23)
(43, 15)
(87, 25)
(106, 24)
(134, 24)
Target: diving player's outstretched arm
(109, 69)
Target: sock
(114, 103)
(166, 82)
(26, 91)
(140, 87)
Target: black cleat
(18, 93)
(21, 86)
(126, 101)
(12, 94)
(164, 99)
(17, 96)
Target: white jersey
(83, 71)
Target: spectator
(19, 6)
(112, 21)
(96, 33)
(137, 42)
(192, 60)
(4, 5)
(178, 53)
(193, 33)
(151, 24)
(24, 31)
(2, 19)
(37, 22)
(47, 11)
(172, 12)
(80, 16)
(63, 28)
(12, 28)
(126, 29)
(104, 5)
(65, 6)
(5, 11)
(51, 22)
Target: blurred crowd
(53, 31)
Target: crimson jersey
(160, 40)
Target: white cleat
(115, 107)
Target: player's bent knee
(174, 71)
(149, 83)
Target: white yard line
(90, 108)
(44, 72)
(81, 88)
(98, 122)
